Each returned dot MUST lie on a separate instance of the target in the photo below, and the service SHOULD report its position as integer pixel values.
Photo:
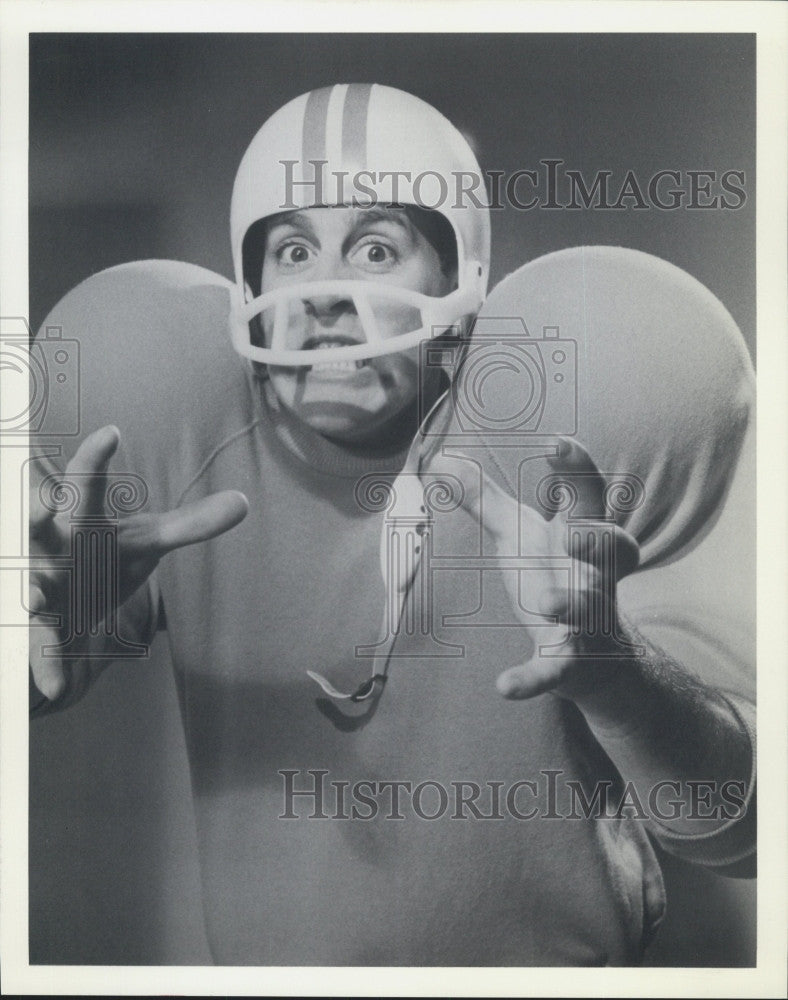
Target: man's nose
(327, 309)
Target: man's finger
(489, 504)
(531, 679)
(199, 521)
(586, 480)
(41, 467)
(89, 464)
(618, 560)
(48, 672)
(36, 602)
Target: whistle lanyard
(408, 506)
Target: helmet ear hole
(253, 254)
(256, 331)
(437, 229)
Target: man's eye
(293, 253)
(374, 254)
(377, 253)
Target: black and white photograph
(439, 653)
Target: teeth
(338, 366)
(334, 366)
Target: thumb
(201, 520)
(528, 680)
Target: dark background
(134, 142)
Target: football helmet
(358, 144)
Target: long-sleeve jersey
(435, 822)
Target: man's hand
(142, 541)
(573, 585)
(653, 719)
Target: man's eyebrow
(298, 219)
(374, 214)
(383, 213)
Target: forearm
(658, 724)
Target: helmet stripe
(313, 139)
(336, 104)
(354, 125)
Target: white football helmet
(354, 144)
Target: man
(363, 794)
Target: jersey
(436, 824)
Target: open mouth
(326, 344)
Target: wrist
(610, 695)
(608, 688)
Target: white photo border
(769, 22)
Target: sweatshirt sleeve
(730, 849)
(700, 610)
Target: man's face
(353, 402)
